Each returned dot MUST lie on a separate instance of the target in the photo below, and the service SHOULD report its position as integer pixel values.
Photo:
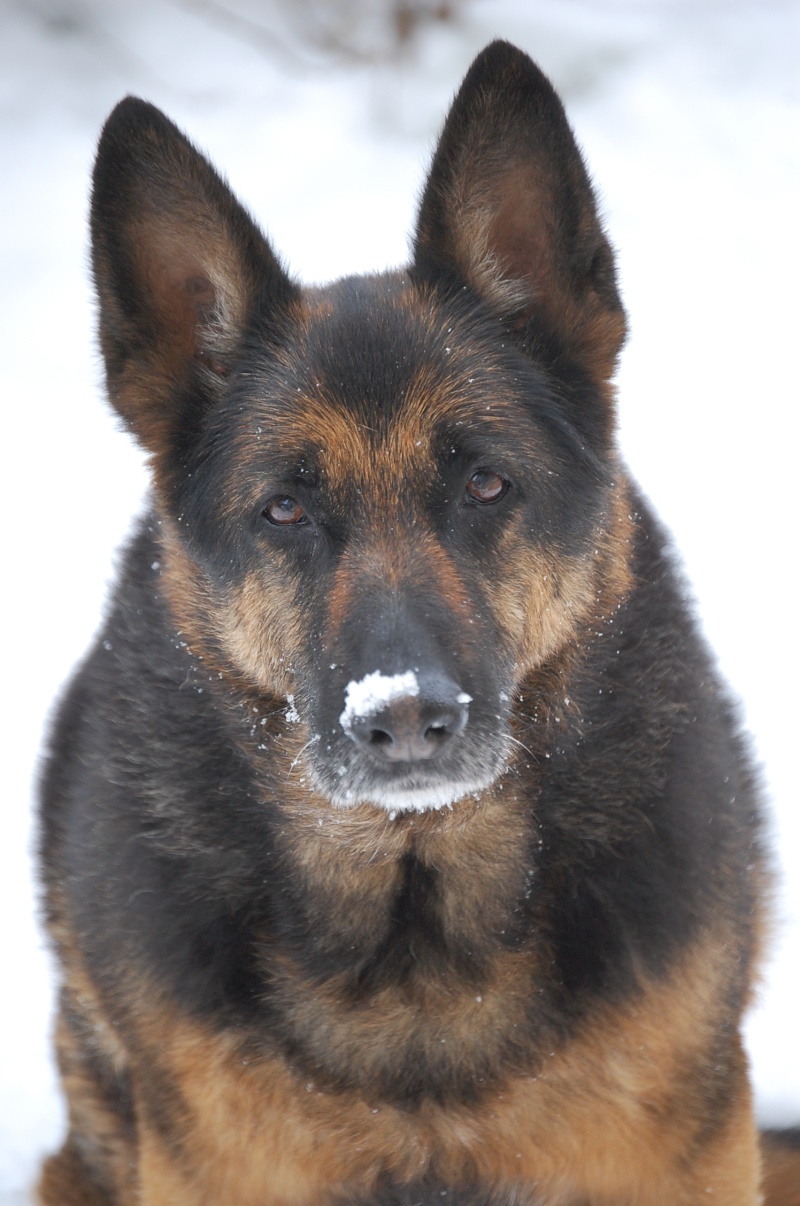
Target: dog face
(412, 528)
(391, 500)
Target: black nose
(404, 718)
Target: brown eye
(284, 510)
(486, 486)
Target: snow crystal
(373, 692)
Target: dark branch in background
(311, 33)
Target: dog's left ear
(509, 211)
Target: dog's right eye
(283, 510)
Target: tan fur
(85, 1036)
(781, 1172)
(609, 1119)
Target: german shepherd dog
(399, 842)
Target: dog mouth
(408, 790)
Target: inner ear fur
(508, 209)
(178, 265)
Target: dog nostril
(405, 734)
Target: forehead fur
(376, 371)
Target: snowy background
(688, 112)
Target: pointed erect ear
(179, 267)
(508, 210)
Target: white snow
(688, 111)
(373, 692)
(415, 799)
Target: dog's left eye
(284, 510)
(486, 486)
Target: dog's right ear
(179, 267)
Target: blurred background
(323, 115)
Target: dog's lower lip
(408, 788)
(410, 801)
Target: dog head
(387, 501)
